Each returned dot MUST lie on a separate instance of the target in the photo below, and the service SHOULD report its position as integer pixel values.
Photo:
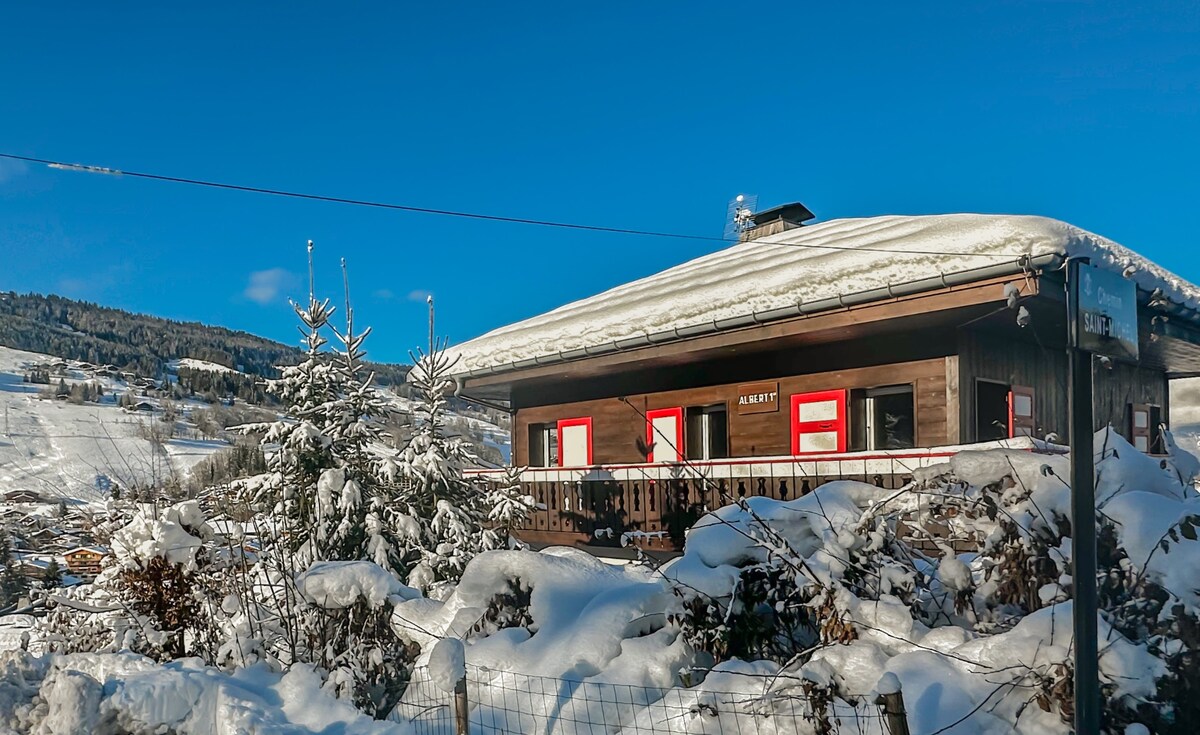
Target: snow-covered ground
(189, 363)
(58, 449)
(557, 642)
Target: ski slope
(58, 449)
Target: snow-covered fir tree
(446, 514)
(509, 507)
(331, 492)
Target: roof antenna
(739, 215)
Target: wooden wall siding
(1001, 358)
(1123, 385)
(617, 426)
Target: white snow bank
(123, 692)
(776, 272)
(819, 526)
(340, 584)
(447, 664)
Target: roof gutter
(1026, 264)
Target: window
(707, 432)
(575, 442)
(664, 434)
(543, 445)
(884, 418)
(819, 422)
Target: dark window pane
(718, 437)
(694, 434)
(537, 446)
(893, 421)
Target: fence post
(462, 708)
(893, 712)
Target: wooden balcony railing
(652, 505)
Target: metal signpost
(1102, 319)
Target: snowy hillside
(58, 448)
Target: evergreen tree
(336, 496)
(446, 511)
(52, 576)
(12, 583)
(509, 508)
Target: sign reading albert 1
(758, 398)
(1105, 313)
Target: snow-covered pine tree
(445, 512)
(508, 508)
(333, 493)
(328, 498)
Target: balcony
(650, 506)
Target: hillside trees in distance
(80, 330)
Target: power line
(88, 168)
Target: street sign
(1105, 313)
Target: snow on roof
(804, 265)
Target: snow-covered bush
(154, 595)
(961, 581)
(347, 627)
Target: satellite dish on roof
(739, 215)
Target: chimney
(777, 219)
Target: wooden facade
(620, 422)
(974, 372)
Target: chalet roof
(102, 550)
(801, 271)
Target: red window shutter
(670, 447)
(1021, 411)
(819, 422)
(569, 453)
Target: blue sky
(647, 115)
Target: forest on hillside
(80, 330)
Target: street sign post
(1105, 313)
(1102, 314)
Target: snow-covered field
(58, 449)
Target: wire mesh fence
(508, 703)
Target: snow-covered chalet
(854, 348)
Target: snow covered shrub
(962, 581)
(1013, 509)
(348, 630)
(766, 579)
(153, 597)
